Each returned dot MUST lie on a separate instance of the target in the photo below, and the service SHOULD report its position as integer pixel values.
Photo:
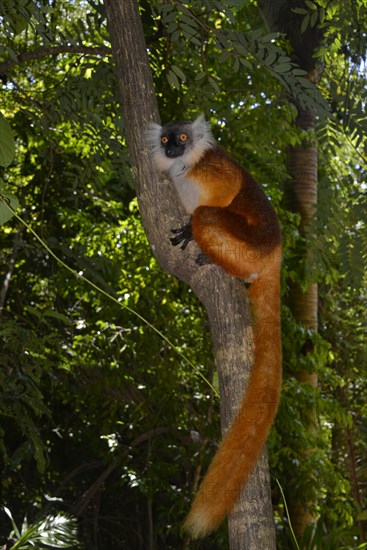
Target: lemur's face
(178, 146)
(176, 139)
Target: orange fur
(236, 228)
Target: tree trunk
(251, 523)
(301, 197)
(301, 192)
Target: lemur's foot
(183, 235)
(203, 260)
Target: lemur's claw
(183, 235)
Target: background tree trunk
(301, 198)
(251, 523)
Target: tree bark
(301, 197)
(251, 523)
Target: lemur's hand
(183, 235)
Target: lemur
(235, 226)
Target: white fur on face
(153, 138)
(201, 140)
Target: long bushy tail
(243, 443)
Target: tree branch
(6, 283)
(6, 66)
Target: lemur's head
(186, 141)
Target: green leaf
(305, 23)
(224, 57)
(7, 200)
(314, 19)
(56, 315)
(245, 63)
(214, 84)
(301, 11)
(172, 28)
(200, 76)
(270, 57)
(173, 80)
(179, 73)
(14, 525)
(282, 68)
(7, 144)
(311, 5)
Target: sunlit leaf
(8, 203)
(7, 144)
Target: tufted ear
(152, 134)
(200, 126)
(200, 120)
(202, 131)
(152, 138)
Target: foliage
(52, 532)
(100, 417)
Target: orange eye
(183, 137)
(164, 140)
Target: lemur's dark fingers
(177, 240)
(183, 235)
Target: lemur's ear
(152, 135)
(200, 127)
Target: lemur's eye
(164, 140)
(183, 137)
